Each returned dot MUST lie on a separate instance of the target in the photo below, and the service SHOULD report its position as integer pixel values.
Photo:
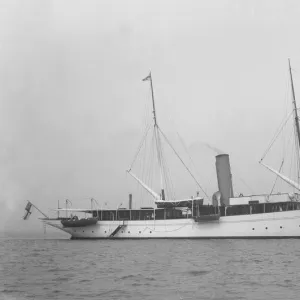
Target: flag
(28, 206)
(69, 201)
(147, 78)
(27, 211)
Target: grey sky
(72, 100)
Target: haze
(72, 100)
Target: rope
(185, 148)
(140, 146)
(276, 135)
(276, 178)
(169, 188)
(182, 162)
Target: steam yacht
(256, 216)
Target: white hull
(269, 225)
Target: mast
(153, 102)
(286, 179)
(157, 137)
(295, 106)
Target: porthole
(128, 231)
(266, 227)
(280, 226)
(253, 228)
(105, 231)
(139, 231)
(150, 231)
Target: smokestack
(130, 201)
(224, 178)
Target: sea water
(149, 269)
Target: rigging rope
(159, 154)
(169, 183)
(140, 146)
(169, 189)
(182, 162)
(294, 145)
(276, 135)
(297, 152)
(236, 174)
(276, 178)
(185, 148)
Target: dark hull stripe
(189, 238)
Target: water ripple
(150, 269)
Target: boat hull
(269, 225)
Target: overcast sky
(72, 101)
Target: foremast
(158, 149)
(157, 138)
(296, 119)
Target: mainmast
(295, 107)
(286, 179)
(157, 137)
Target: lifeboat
(207, 218)
(75, 222)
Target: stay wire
(276, 178)
(183, 163)
(276, 135)
(140, 146)
(186, 150)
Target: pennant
(27, 211)
(28, 206)
(69, 201)
(147, 78)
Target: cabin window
(159, 214)
(123, 214)
(135, 215)
(238, 210)
(146, 214)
